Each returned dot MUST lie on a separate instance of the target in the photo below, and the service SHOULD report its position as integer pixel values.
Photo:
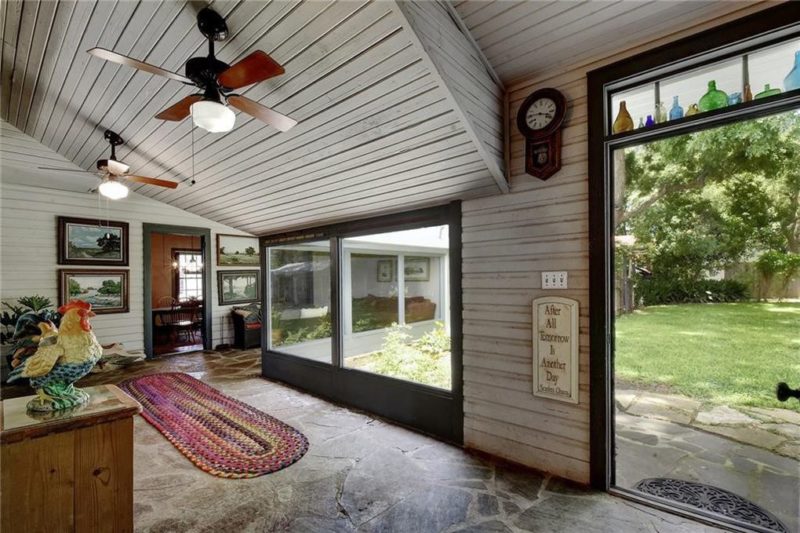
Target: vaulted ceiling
(399, 104)
(378, 129)
(521, 38)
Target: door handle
(783, 392)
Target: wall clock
(539, 120)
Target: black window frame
(430, 409)
(750, 33)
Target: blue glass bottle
(677, 111)
(650, 121)
(792, 80)
(734, 98)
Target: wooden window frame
(762, 29)
(432, 410)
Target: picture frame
(238, 286)
(385, 270)
(238, 250)
(92, 242)
(107, 290)
(417, 269)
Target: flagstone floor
(361, 473)
(752, 452)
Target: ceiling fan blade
(181, 110)
(108, 55)
(262, 113)
(256, 67)
(75, 170)
(151, 181)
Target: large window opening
(395, 313)
(300, 300)
(368, 312)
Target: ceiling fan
(113, 171)
(216, 80)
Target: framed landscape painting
(417, 268)
(238, 286)
(237, 250)
(106, 290)
(84, 241)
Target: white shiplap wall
(508, 240)
(456, 60)
(29, 205)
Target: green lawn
(732, 354)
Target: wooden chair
(183, 321)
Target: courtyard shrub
(663, 291)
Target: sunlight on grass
(731, 354)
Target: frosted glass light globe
(113, 189)
(212, 116)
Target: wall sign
(555, 348)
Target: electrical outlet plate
(554, 280)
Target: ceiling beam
(459, 68)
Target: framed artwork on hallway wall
(238, 286)
(237, 250)
(92, 242)
(106, 290)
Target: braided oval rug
(219, 434)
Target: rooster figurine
(62, 357)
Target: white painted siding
(458, 62)
(28, 240)
(508, 240)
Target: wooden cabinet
(71, 471)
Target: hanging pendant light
(112, 189)
(212, 116)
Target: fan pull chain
(193, 180)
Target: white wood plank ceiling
(525, 38)
(377, 129)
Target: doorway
(692, 245)
(176, 282)
(707, 319)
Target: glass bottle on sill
(713, 99)
(734, 98)
(623, 122)
(768, 91)
(641, 123)
(792, 80)
(748, 94)
(649, 122)
(677, 111)
(661, 113)
(693, 110)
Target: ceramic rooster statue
(62, 357)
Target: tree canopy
(711, 199)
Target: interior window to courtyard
(300, 300)
(394, 293)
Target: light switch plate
(554, 280)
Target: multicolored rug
(219, 434)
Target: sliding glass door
(367, 313)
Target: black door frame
(205, 245)
(761, 29)
(435, 411)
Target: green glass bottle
(768, 92)
(713, 99)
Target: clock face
(540, 114)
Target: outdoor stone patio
(752, 452)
